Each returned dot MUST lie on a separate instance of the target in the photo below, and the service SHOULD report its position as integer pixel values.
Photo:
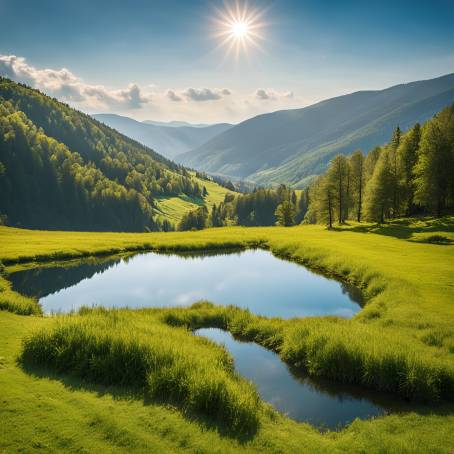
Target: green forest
(411, 175)
(61, 169)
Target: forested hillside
(413, 173)
(293, 146)
(61, 169)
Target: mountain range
(291, 146)
(169, 139)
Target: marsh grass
(336, 349)
(132, 349)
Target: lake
(252, 279)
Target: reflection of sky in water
(254, 279)
(291, 395)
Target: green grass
(126, 348)
(174, 208)
(337, 349)
(402, 341)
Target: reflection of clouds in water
(235, 277)
(253, 279)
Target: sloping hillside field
(168, 377)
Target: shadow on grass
(123, 393)
(405, 228)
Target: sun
(239, 28)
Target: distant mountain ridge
(169, 139)
(179, 124)
(291, 146)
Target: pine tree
(322, 194)
(370, 162)
(379, 190)
(302, 206)
(394, 171)
(285, 213)
(435, 163)
(338, 175)
(358, 175)
(407, 156)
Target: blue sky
(160, 59)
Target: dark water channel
(323, 404)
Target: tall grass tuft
(133, 349)
(337, 349)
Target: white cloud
(205, 94)
(270, 94)
(66, 86)
(198, 94)
(173, 96)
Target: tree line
(412, 174)
(261, 207)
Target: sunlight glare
(238, 27)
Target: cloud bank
(64, 85)
(201, 104)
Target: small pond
(323, 404)
(252, 279)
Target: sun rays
(239, 29)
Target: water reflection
(45, 280)
(252, 279)
(320, 403)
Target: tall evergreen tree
(435, 164)
(407, 155)
(394, 169)
(285, 213)
(358, 176)
(379, 190)
(338, 174)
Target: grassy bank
(14, 302)
(334, 348)
(402, 341)
(44, 410)
(131, 349)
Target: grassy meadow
(174, 208)
(112, 380)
